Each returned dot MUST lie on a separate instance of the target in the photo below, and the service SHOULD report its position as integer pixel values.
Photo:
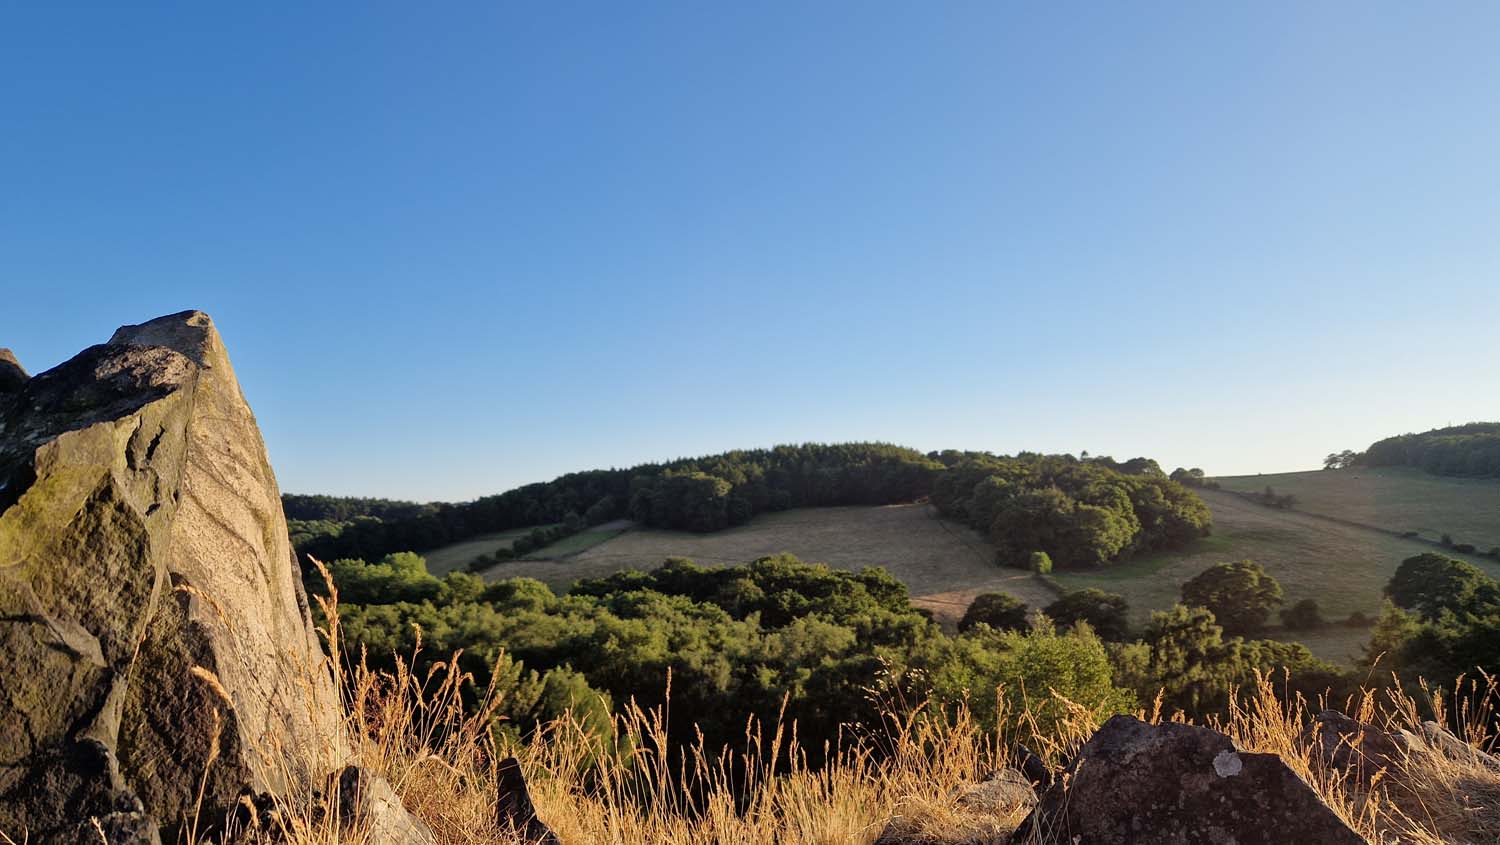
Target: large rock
(1369, 755)
(1364, 751)
(1174, 784)
(153, 626)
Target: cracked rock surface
(141, 536)
(1175, 784)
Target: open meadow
(1344, 567)
(455, 557)
(1393, 499)
(943, 564)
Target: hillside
(943, 565)
(1395, 499)
(1344, 567)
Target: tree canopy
(1241, 595)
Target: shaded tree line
(1079, 512)
(695, 494)
(1471, 450)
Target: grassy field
(944, 565)
(1344, 567)
(582, 541)
(457, 556)
(1392, 498)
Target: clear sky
(458, 247)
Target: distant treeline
(695, 494)
(1077, 511)
(1080, 512)
(1471, 450)
(313, 508)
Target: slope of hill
(1343, 566)
(1394, 499)
(943, 564)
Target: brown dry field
(943, 564)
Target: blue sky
(458, 247)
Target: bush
(1000, 611)
(1495, 553)
(1106, 613)
(1358, 620)
(1408, 534)
(1302, 616)
(1464, 548)
(1041, 563)
(1241, 595)
(1447, 540)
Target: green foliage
(1470, 450)
(1000, 611)
(1041, 563)
(1080, 513)
(1241, 595)
(1431, 584)
(688, 494)
(1020, 668)
(1452, 627)
(1106, 613)
(1184, 655)
(1341, 460)
(1302, 616)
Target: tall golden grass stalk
(649, 788)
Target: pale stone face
(141, 535)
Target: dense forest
(695, 494)
(1077, 512)
(1471, 450)
(1080, 512)
(831, 647)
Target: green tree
(1188, 660)
(1241, 595)
(1000, 611)
(1430, 583)
(1106, 613)
(1302, 616)
(1041, 563)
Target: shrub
(1495, 553)
(1001, 611)
(1408, 534)
(1106, 613)
(1358, 620)
(1302, 616)
(1447, 540)
(1041, 563)
(1464, 548)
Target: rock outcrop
(154, 635)
(1368, 754)
(1174, 784)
